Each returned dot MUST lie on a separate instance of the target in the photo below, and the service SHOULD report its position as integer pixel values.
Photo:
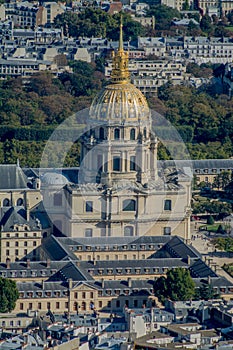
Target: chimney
(78, 263)
(130, 282)
(27, 211)
(188, 260)
(8, 263)
(48, 263)
(43, 285)
(102, 282)
(209, 279)
(28, 263)
(70, 283)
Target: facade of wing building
(120, 191)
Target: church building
(120, 191)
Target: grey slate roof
(122, 243)
(176, 248)
(70, 270)
(215, 282)
(21, 269)
(200, 269)
(12, 177)
(56, 250)
(17, 215)
(131, 267)
(198, 164)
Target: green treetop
(8, 295)
(177, 285)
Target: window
(117, 134)
(118, 304)
(6, 202)
(144, 132)
(57, 200)
(88, 232)
(116, 164)
(167, 204)
(34, 243)
(19, 202)
(48, 305)
(7, 252)
(25, 244)
(101, 135)
(89, 206)
(16, 252)
(39, 306)
(132, 163)
(21, 306)
(128, 231)
(7, 244)
(129, 205)
(132, 134)
(57, 305)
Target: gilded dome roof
(120, 100)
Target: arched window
(128, 231)
(117, 134)
(129, 205)
(101, 133)
(19, 202)
(6, 202)
(132, 134)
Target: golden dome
(120, 100)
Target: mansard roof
(56, 250)
(12, 177)
(70, 271)
(17, 216)
(176, 248)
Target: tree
(206, 24)
(177, 285)
(221, 229)
(206, 292)
(8, 295)
(163, 15)
(210, 220)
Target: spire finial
(121, 45)
(120, 70)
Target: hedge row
(37, 134)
